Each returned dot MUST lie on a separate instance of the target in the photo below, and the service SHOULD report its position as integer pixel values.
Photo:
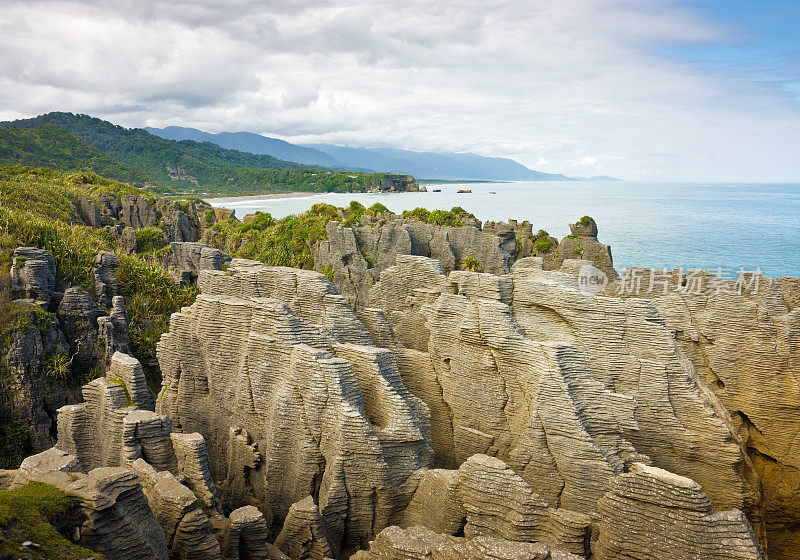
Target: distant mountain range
(422, 165)
(81, 142)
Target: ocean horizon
(722, 227)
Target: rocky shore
(430, 392)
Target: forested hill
(188, 166)
(54, 147)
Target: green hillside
(54, 147)
(196, 167)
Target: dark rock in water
(437, 190)
(464, 191)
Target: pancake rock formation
(546, 409)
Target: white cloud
(587, 162)
(539, 81)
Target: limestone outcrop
(31, 389)
(105, 283)
(420, 543)
(33, 275)
(189, 258)
(438, 413)
(294, 401)
(651, 514)
(358, 255)
(741, 335)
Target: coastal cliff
(438, 388)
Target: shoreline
(265, 196)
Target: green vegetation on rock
(36, 211)
(456, 217)
(290, 241)
(541, 242)
(472, 264)
(27, 514)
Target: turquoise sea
(721, 227)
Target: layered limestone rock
(484, 497)
(541, 398)
(532, 404)
(652, 514)
(567, 387)
(498, 503)
(245, 537)
(188, 259)
(394, 543)
(105, 283)
(132, 452)
(682, 426)
(33, 275)
(437, 504)
(193, 467)
(31, 391)
(304, 534)
(117, 521)
(582, 243)
(112, 331)
(107, 403)
(186, 527)
(742, 337)
(359, 255)
(293, 401)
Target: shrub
(149, 239)
(542, 242)
(58, 367)
(542, 245)
(586, 220)
(472, 264)
(455, 217)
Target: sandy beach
(267, 196)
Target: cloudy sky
(640, 89)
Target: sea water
(720, 227)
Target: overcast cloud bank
(570, 87)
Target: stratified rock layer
(652, 514)
(293, 401)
